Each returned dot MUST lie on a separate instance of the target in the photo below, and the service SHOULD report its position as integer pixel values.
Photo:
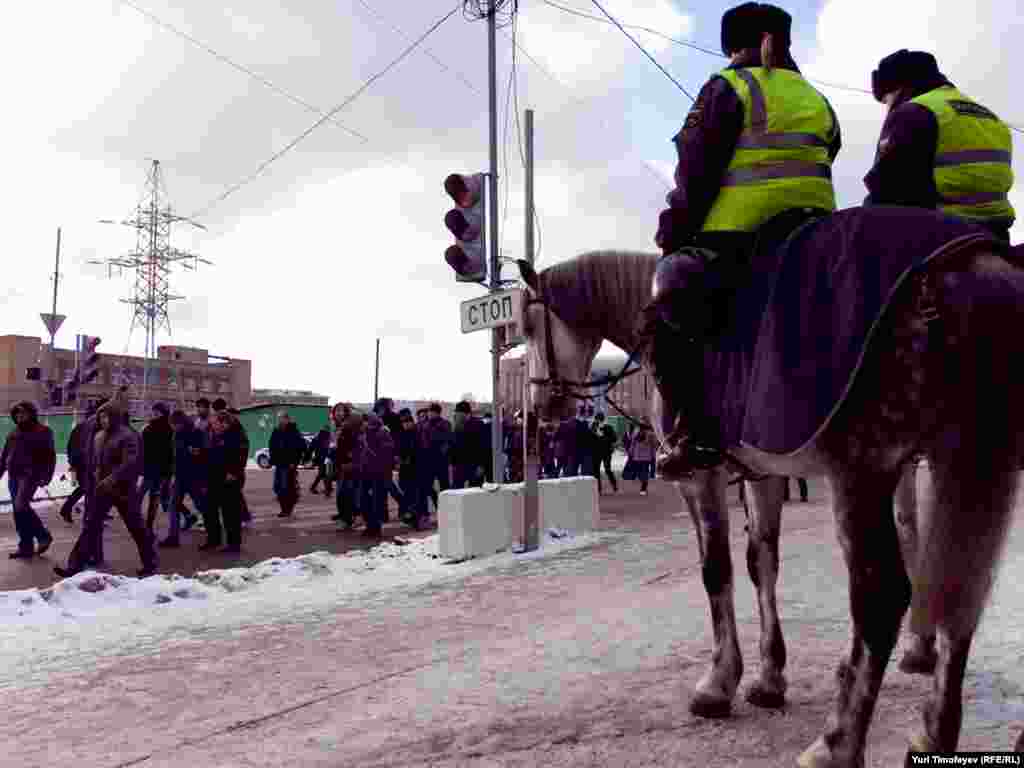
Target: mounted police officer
(939, 149)
(755, 157)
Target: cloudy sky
(342, 240)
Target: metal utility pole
(52, 321)
(531, 424)
(497, 336)
(151, 261)
(376, 374)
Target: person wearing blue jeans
(29, 459)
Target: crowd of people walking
(192, 467)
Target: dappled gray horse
(968, 430)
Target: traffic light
(468, 256)
(90, 359)
(87, 370)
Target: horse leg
(716, 689)
(970, 503)
(769, 690)
(879, 596)
(920, 657)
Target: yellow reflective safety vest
(973, 155)
(781, 161)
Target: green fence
(259, 422)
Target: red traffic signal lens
(464, 190)
(456, 258)
(459, 226)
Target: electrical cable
(461, 77)
(643, 50)
(352, 97)
(240, 67)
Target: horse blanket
(802, 317)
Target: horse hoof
(711, 707)
(917, 661)
(764, 697)
(921, 742)
(818, 755)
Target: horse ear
(528, 273)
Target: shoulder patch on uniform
(695, 118)
(970, 109)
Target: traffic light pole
(531, 424)
(495, 266)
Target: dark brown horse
(962, 409)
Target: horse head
(558, 356)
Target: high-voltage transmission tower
(152, 260)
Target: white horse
(575, 305)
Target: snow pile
(276, 582)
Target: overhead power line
(643, 50)
(240, 67)
(459, 75)
(352, 97)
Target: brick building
(179, 375)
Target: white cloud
(583, 52)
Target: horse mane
(601, 292)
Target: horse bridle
(570, 388)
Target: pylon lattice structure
(151, 261)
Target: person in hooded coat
(226, 469)
(158, 462)
(29, 460)
(377, 465)
(115, 464)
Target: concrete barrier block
(479, 522)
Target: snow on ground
(97, 613)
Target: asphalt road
(586, 658)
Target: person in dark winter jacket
(115, 466)
(158, 455)
(29, 459)
(377, 465)
(408, 448)
(287, 447)
(466, 454)
(226, 467)
(187, 472)
(435, 445)
(604, 440)
(321, 444)
(246, 449)
(346, 459)
(565, 447)
(81, 436)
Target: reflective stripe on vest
(973, 155)
(781, 160)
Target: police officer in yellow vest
(939, 149)
(755, 157)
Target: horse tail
(975, 455)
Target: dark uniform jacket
(705, 145)
(904, 169)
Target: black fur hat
(903, 69)
(744, 25)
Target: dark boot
(683, 315)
